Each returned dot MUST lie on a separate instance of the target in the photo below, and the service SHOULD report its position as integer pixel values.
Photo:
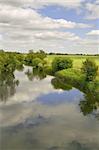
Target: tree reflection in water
(57, 84)
(90, 103)
(7, 85)
(37, 73)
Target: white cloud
(97, 2)
(42, 3)
(24, 28)
(55, 35)
(93, 10)
(30, 19)
(93, 33)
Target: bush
(29, 58)
(61, 63)
(71, 76)
(48, 70)
(90, 69)
(37, 62)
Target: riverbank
(77, 60)
(77, 80)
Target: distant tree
(30, 51)
(41, 54)
(29, 58)
(1, 50)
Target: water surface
(36, 116)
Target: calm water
(36, 116)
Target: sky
(63, 26)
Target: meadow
(77, 60)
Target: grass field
(77, 60)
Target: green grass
(71, 73)
(77, 60)
(77, 80)
(75, 77)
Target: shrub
(71, 76)
(90, 69)
(61, 63)
(37, 62)
(48, 70)
(28, 60)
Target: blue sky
(68, 26)
(59, 12)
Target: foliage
(90, 69)
(75, 78)
(72, 75)
(9, 61)
(29, 58)
(61, 63)
(48, 70)
(37, 62)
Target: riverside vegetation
(63, 68)
(43, 95)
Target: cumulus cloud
(22, 27)
(42, 3)
(30, 19)
(56, 36)
(93, 33)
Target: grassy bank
(74, 76)
(77, 60)
(77, 80)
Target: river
(34, 115)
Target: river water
(36, 116)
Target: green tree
(61, 63)
(29, 58)
(90, 69)
(37, 62)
